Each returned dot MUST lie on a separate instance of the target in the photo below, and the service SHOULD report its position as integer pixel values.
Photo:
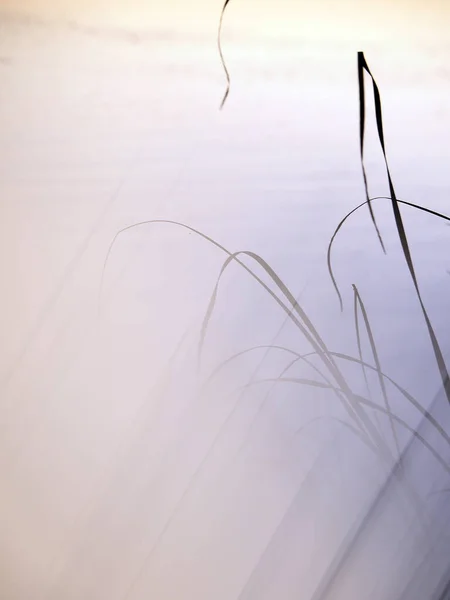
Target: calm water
(121, 478)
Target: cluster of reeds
(326, 366)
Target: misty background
(121, 476)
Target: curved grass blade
(363, 434)
(415, 433)
(303, 358)
(427, 415)
(308, 330)
(362, 65)
(319, 347)
(146, 223)
(268, 348)
(233, 357)
(363, 368)
(222, 59)
(322, 352)
(417, 405)
(326, 380)
(349, 214)
(364, 402)
(373, 347)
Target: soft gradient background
(121, 480)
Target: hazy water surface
(121, 479)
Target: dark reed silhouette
(330, 374)
(326, 366)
